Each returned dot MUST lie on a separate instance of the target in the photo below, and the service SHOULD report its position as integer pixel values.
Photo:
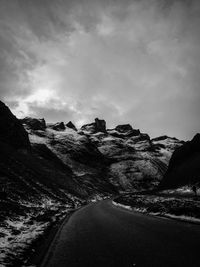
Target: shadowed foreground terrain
(104, 235)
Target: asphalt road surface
(101, 234)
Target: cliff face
(184, 165)
(11, 130)
(26, 171)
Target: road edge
(159, 215)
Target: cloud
(128, 62)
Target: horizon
(134, 62)
(107, 127)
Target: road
(102, 234)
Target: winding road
(101, 234)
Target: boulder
(71, 126)
(34, 124)
(11, 130)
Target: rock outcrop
(71, 125)
(11, 129)
(124, 128)
(124, 131)
(34, 124)
(59, 126)
(100, 125)
(164, 137)
(95, 127)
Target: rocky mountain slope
(47, 169)
(36, 188)
(105, 160)
(184, 165)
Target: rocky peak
(11, 130)
(34, 124)
(59, 126)
(128, 130)
(71, 125)
(124, 131)
(95, 127)
(195, 142)
(100, 125)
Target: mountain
(105, 160)
(89, 161)
(36, 189)
(184, 165)
(46, 169)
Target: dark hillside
(11, 130)
(184, 165)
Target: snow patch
(16, 235)
(184, 190)
(183, 218)
(121, 205)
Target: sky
(130, 61)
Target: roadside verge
(181, 209)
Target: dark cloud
(126, 61)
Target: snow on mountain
(48, 169)
(120, 159)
